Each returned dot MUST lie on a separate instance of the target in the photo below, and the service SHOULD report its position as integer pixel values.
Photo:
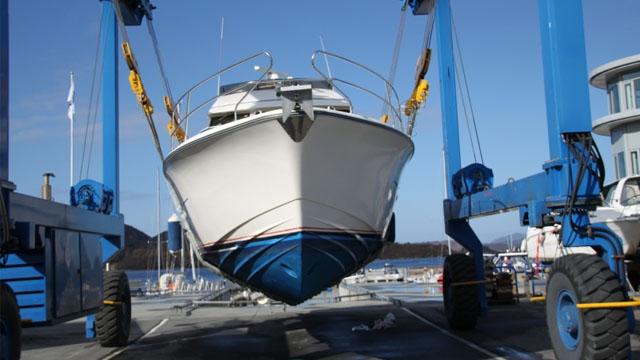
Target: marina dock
(318, 331)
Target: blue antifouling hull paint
(294, 267)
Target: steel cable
(395, 56)
(466, 86)
(149, 118)
(91, 103)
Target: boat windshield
(607, 193)
(272, 84)
(631, 192)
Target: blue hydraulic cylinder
(110, 152)
(448, 98)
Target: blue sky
(500, 44)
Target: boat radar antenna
(274, 75)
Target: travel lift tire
(461, 303)
(113, 320)
(585, 334)
(9, 324)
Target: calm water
(408, 263)
(137, 278)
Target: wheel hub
(568, 319)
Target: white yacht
(286, 189)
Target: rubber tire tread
(462, 307)
(10, 314)
(113, 322)
(605, 332)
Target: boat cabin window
(631, 192)
(272, 84)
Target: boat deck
(320, 331)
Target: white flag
(71, 111)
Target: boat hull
(293, 267)
(289, 217)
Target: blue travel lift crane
(54, 257)
(589, 313)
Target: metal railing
(183, 121)
(184, 101)
(396, 109)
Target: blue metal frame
(110, 151)
(568, 113)
(456, 227)
(29, 267)
(4, 89)
(132, 14)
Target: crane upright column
(458, 229)
(448, 97)
(4, 90)
(110, 155)
(110, 141)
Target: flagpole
(71, 154)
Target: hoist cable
(149, 118)
(94, 121)
(396, 55)
(156, 49)
(466, 116)
(91, 103)
(466, 85)
(426, 44)
(428, 31)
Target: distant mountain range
(140, 252)
(502, 243)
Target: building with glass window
(621, 79)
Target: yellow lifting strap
(173, 127)
(128, 56)
(135, 81)
(384, 118)
(422, 66)
(418, 97)
(421, 87)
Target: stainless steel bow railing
(396, 109)
(183, 121)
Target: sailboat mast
(220, 51)
(193, 263)
(158, 222)
(182, 250)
